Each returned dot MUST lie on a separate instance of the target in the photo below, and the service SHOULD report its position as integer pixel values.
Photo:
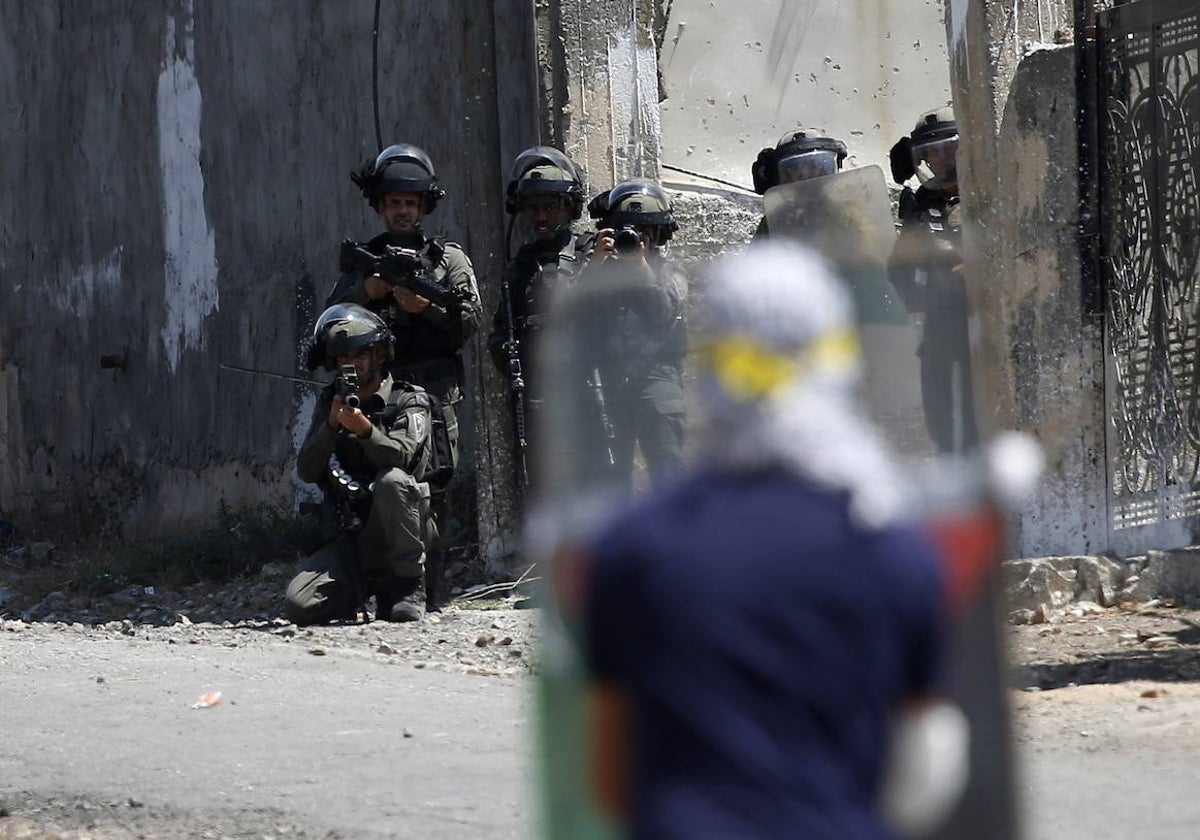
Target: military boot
(402, 600)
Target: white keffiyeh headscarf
(780, 367)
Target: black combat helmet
(799, 155)
(400, 168)
(344, 328)
(543, 170)
(636, 202)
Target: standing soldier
(545, 192)
(926, 267)
(643, 327)
(798, 156)
(403, 188)
(370, 448)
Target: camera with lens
(627, 240)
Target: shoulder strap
(435, 249)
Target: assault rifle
(516, 384)
(404, 267)
(347, 497)
(606, 425)
(345, 385)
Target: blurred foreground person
(754, 630)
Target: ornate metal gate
(1149, 201)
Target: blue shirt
(763, 640)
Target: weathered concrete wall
(1038, 359)
(600, 79)
(175, 187)
(737, 75)
(1039, 346)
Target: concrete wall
(739, 73)
(600, 81)
(175, 187)
(1038, 353)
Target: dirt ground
(1088, 645)
(1125, 677)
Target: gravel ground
(1085, 644)
(1078, 676)
(487, 639)
(489, 636)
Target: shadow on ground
(1165, 655)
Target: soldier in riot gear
(403, 188)
(926, 268)
(545, 194)
(798, 156)
(373, 450)
(643, 333)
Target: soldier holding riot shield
(926, 267)
(798, 156)
(845, 216)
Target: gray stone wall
(738, 75)
(176, 185)
(1038, 360)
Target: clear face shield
(807, 165)
(939, 157)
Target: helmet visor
(939, 155)
(806, 165)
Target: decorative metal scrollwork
(1150, 257)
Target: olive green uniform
(398, 525)
(428, 344)
(643, 344)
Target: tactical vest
(435, 466)
(418, 339)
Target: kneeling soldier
(372, 449)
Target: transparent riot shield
(596, 356)
(914, 323)
(847, 218)
(604, 358)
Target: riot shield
(914, 326)
(586, 473)
(592, 468)
(847, 218)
